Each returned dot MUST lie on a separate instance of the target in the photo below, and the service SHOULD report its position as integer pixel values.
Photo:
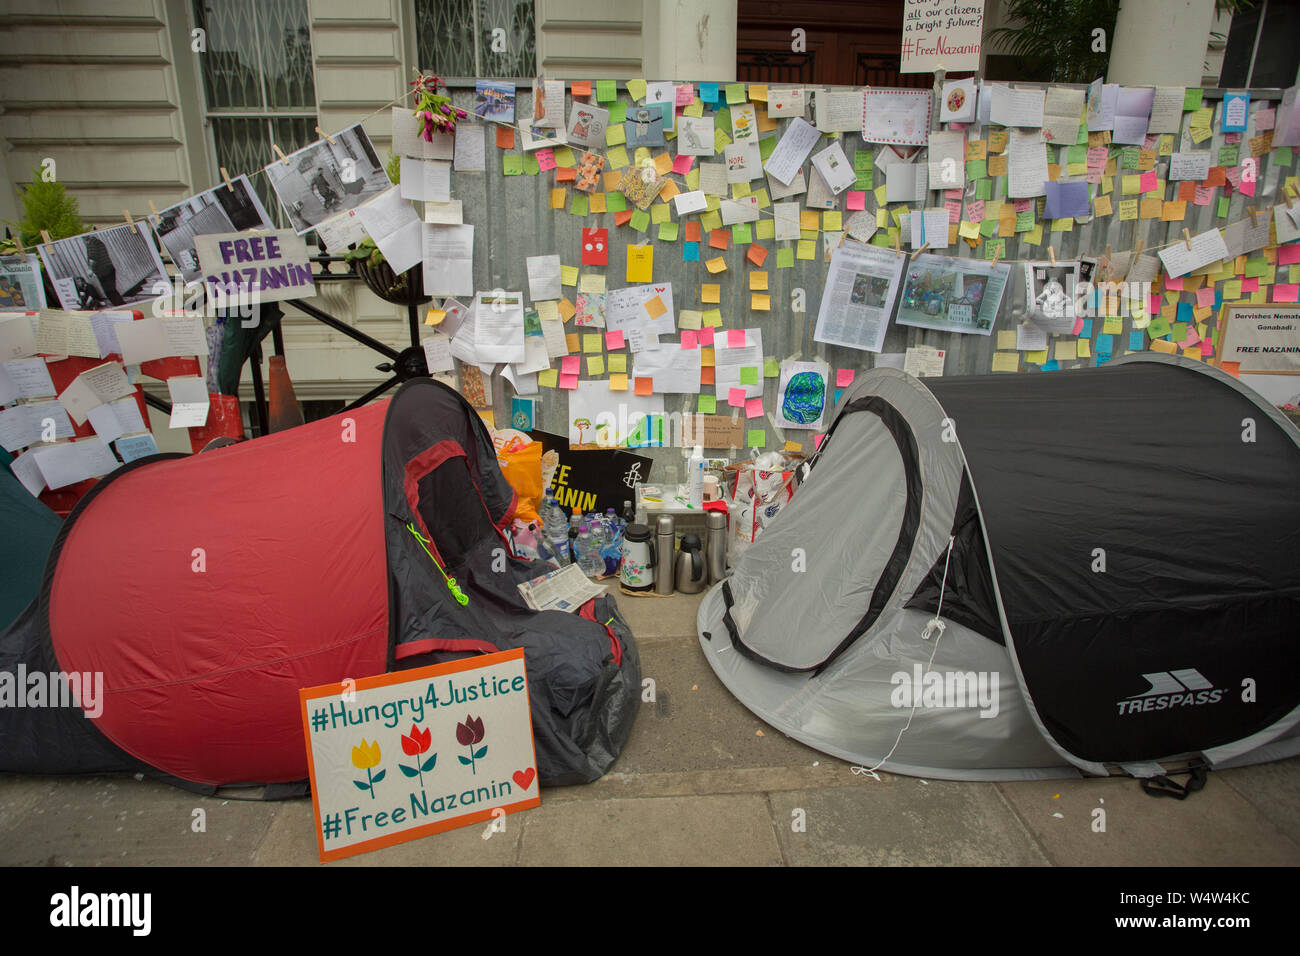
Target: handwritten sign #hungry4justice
(399, 756)
(256, 266)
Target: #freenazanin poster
(403, 755)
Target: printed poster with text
(942, 35)
(400, 756)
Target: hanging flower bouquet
(433, 110)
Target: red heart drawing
(525, 778)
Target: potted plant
(47, 207)
(433, 111)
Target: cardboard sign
(399, 756)
(593, 480)
(1263, 339)
(256, 267)
(713, 431)
(942, 35)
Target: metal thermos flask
(716, 546)
(692, 573)
(665, 548)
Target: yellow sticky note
(740, 190)
(434, 316)
(548, 311)
(640, 263)
(659, 213)
(968, 230)
(655, 307)
(712, 318)
(595, 365)
(1113, 325)
(766, 229)
(1084, 348)
(636, 89)
(566, 310)
(832, 221)
(806, 249)
(1101, 206)
(706, 357)
(573, 341)
(1006, 361)
(1036, 358)
(568, 275)
(596, 202)
(663, 163)
(617, 383)
(1062, 225)
(548, 377)
(591, 342)
(808, 219)
(1006, 338)
(710, 292)
(617, 361)
(758, 281)
(715, 265)
(1066, 351)
(760, 303)
(558, 198)
(591, 282)
(758, 92)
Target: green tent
(30, 530)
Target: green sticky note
(765, 146)
(977, 169)
(640, 220)
(530, 164)
(564, 157)
(578, 206)
(741, 234)
(1221, 209)
(984, 189)
(1024, 220)
(785, 258)
(1179, 331)
(756, 438)
(1159, 327)
(615, 202)
(735, 93)
(1256, 268)
(708, 404)
(1282, 156)
(1076, 154)
(722, 119)
(710, 221)
(1192, 99)
(1129, 158)
(997, 247)
(864, 170)
(618, 112)
(765, 229)
(988, 227)
(1228, 154)
(668, 232)
(749, 375)
(771, 368)
(636, 89)
(512, 165)
(606, 91)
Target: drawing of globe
(805, 397)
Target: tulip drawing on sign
(468, 735)
(415, 745)
(366, 757)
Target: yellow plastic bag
(522, 466)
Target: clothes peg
(1187, 238)
(129, 221)
(280, 153)
(917, 252)
(324, 135)
(226, 176)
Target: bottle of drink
(589, 559)
(555, 528)
(574, 520)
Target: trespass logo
(1170, 689)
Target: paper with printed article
(566, 589)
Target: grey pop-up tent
(1113, 555)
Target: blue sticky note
(1065, 200)
(1136, 341)
(1051, 366)
(132, 447)
(709, 92)
(838, 393)
(1236, 112)
(690, 252)
(1105, 345)
(1086, 331)
(1218, 299)
(1184, 312)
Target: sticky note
(760, 302)
(606, 91)
(710, 292)
(591, 342)
(548, 378)
(806, 249)
(754, 408)
(512, 165)
(568, 275)
(736, 338)
(719, 239)
(748, 374)
(618, 362)
(736, 397)
(715, 265)
(614, 339)
(568, 381)
(689, 339)
(595, 365)
(640, 263)
(844, 377)
(712, 319)
(617, 383)
(708, 404)
(757, 255)
(645, 386)
(757, 281)
(756, 438)
(574, 343)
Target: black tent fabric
(29, 532)
(1136, 543)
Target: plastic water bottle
(555, 528)
(589, 559)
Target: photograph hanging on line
(325, 179)
(107, 268)
(952, 295)
(219, 210)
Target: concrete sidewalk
(701, 782)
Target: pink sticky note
(614, 339)
(1231, 138)
(954, 211)
(1078, 325)
(1205, 296)
(545, 159)
(952, 194)
(754, 408)
(1148, 181)
(735, 338)
(569, 364)
(1153, 304)
(682, 164)
(1247, 186)
(689, 339)
(1203, 195)
(1285, 293)
(1191, 339)
(1207, 348)
(1289, 254)
(843, 376)
(1250, 285)
(705, 335)
(817, 441)
(1265, 120)
(857, 200)
(684, 94)
(736, 398)
(568, 381)
(1174, 285)
(975, 211)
